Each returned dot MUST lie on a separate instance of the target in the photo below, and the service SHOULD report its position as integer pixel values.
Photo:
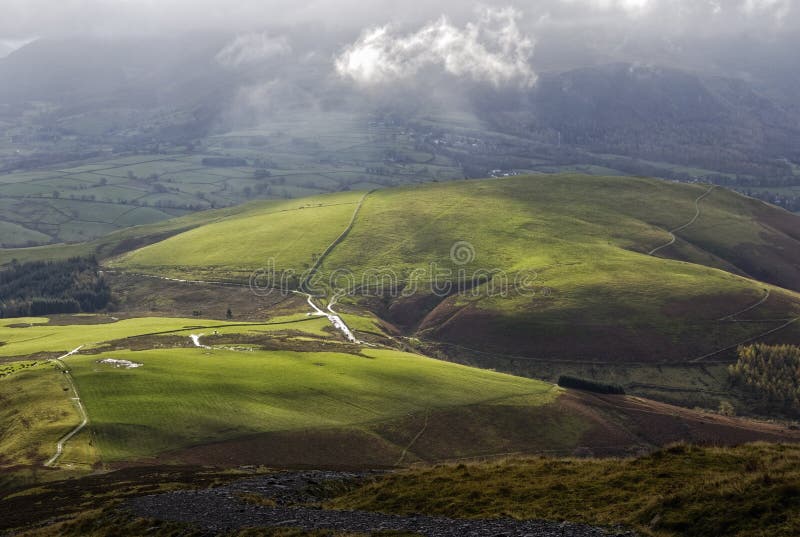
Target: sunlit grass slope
(291, 233)
(183, 397)
(527, 222)
(35, 410)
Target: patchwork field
(27, 336)
(289, 158)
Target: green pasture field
(27, 336)
(182, 397)
(290, 233)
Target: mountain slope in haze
(138, 93)
(579, 246)
(668, 115)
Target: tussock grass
(746, 491)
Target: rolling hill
(578, 244)
(579, 275)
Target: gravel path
(221, 509)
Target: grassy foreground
(747, 491)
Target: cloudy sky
(496, 42)
(22, 19)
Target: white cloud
(252, 48)
(778, 8)
(7, 46)
(631, 6)
(493, 49)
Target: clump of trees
(576, 383)
(770, 375)
(42, 288)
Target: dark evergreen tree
(41, 288)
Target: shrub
(589, 385)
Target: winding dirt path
(748, 340)
(84, 416)
(732, 316)
(414, 440)
(342, 236)
(687, 224)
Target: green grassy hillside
(561, 274)
(292, 233)
(293, 391)
(585, 242)
(184, 397)
(281, 377)
(580, 245)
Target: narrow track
(313, 270)
(414, 440)
(687, 224)
(748, 340)
(333, 317)
(732, 316)
(84, 417)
